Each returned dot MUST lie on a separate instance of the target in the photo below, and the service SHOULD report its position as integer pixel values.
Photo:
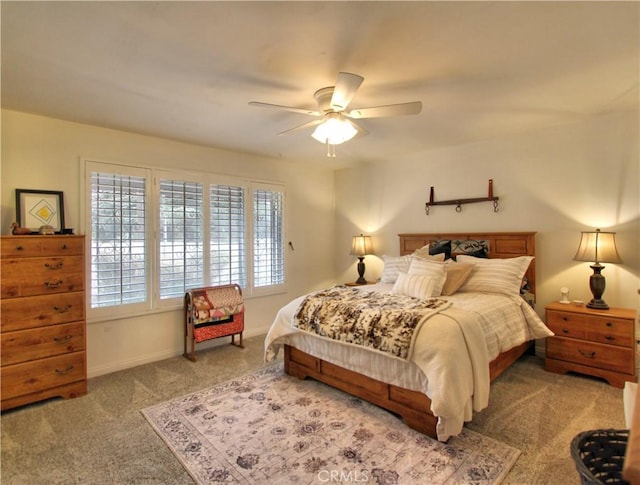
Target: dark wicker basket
(599, 455)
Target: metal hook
(459, 207)
(426, 209)
(495, 206)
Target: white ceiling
(186, 70)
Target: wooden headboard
(501, 245)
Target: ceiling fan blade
(285, 108)
(301, 127)
(361, 130)
(345, 89)
(401, 109)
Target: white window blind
(118, 239)
(268, 235)
(180, 237)
(227, 235)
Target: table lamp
(599, 247)
(360, 247)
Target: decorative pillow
(457, 274)
(441, 247)
(495, 275)
(478, 253)
(393, 265)
(434, 269)
(424, 252)
(415, 285)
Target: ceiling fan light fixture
(334, 130)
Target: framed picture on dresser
(37, 208)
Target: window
(227, 235)
(118, 239)
(180, 237)
(268, 250)
(155, 234)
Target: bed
(446, 378)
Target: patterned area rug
(270, 428)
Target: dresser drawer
(603, 356)
(34, 246)
(29, 377)
(567, 324)
(38, 343)
(39, 311)
(21, 247)
(39, 276)
(63, 246)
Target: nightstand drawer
(614, 331)
(567, 324)
(602, 356)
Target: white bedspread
(450, 363)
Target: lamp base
(598, 304)
(597, 285)
(361, 268)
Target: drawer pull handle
(565, 330)
(64, 372)
(609, 324)
(610, 338)
(56, 265)
(19, 248)
(53, 284)
(589, 355)
(63, 309)
(62, 340)
(566, 319)
(64, 246)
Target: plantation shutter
(180, 237)
(227, 235)
(118, 239)
(268, 236)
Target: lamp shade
(335, 129)
(599, 247)
(361, 245)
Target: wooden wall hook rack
(459, 202)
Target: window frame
(153, 176)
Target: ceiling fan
(336, 124)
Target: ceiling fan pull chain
(331, 150)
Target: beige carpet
(103, 438)
(269, 428)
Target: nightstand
(594, 342)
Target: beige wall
(557, 182)
(44, 153)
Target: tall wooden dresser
(42, 309)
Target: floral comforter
(382, 322)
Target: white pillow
(415, 285)
(434, 269)
(495, 275)
(393, 265)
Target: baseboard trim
(97, 371)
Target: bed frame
(412, 406)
